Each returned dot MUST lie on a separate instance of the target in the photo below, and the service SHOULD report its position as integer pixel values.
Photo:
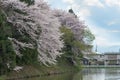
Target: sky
(101, 16)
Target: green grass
(62, 66)
(2, 77)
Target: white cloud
(102, 41)
(115, 31)
(105, 42)
(93, 3)
(74, 6)
(69, 1)
(80, 11)
(111, 3)
(83, 13)
(111, 23)
(103, 37)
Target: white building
(103, 59)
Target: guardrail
(101, 66)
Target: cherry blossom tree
(78, 44)
(38, 22)
(72, 22)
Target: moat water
(86, 74)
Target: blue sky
(101, 16)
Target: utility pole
(119, 50)
(96, 49)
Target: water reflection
(86, 74)
(99, 74)
(93, 74)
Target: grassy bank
(37, 70)
(2, 77)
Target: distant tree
(88, 39)
(72, 12)
(88, 36)
(72, 48)
(29, 2)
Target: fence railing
(101, 66)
